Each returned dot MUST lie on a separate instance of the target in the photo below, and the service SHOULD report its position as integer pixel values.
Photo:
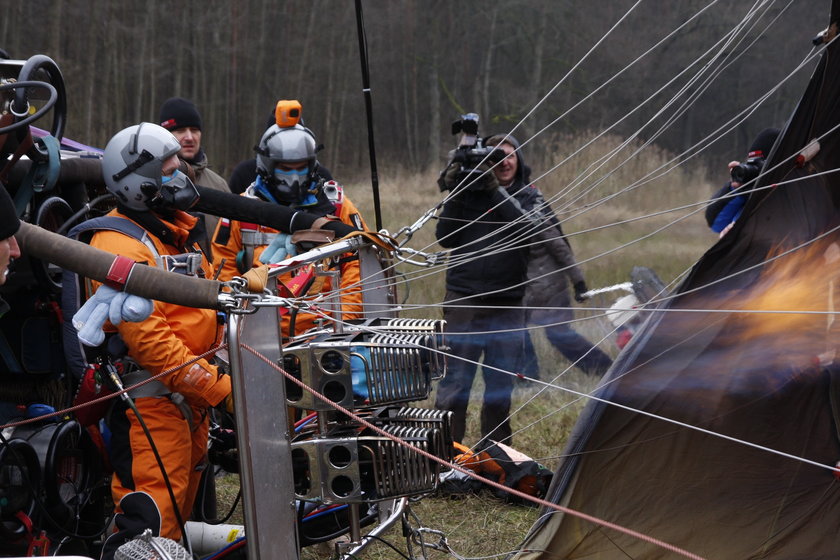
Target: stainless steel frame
(263, 439)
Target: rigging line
(640, 217)
(613, 250)
(652, 174)
(663, 352)
(770, 259)
(580, 395)
(564, 372)
(627, 67)
(754, 107)
(467, 472)
(680, 219)
(466, 182)
(750, 268)
(551, 170)
(115, 394)
(644, 305)
(689, 426)
(526, 328)
(719, 129)
(637, 240)
(545, 388)
(737, 194)
(710, 139)
(640, 183)
(773, 186)
(631, 409)
(671, 121)
(701, 203)
(607, 311)
(620, 72)
(718, 46)
(534, 397)
(494, 207)
(565, 76)
(553, 89)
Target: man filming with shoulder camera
(484, 226)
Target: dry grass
(482, 525)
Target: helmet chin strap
(263, 189)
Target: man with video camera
(484, 226)
(725, 206)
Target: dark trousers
(470, 326)
(568, 342)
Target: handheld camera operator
(140, 166)
(288, 174)
(485, 284)
(722, 212)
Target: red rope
(66, 411)
(494, 484)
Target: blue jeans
(477, 318)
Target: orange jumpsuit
(171, 336)
(227, 244)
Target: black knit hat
(9, 221)
(177, 112)
(763, 143)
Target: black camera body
(470, 154)
(748, 170)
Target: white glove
(107, 303)
(280, 248)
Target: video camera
(470, 154)
(748, 170)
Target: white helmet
(133, 168)
(286, 145)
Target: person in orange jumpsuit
(287, 173)
(140, 167)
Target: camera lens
(747, 171)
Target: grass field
(611, 230)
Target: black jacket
(490, 267)
(490, 256)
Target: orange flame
(801, 287)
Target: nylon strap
(119, 272)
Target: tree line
(429, 61)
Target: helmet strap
(262, 189)
(144, 158)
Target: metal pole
(265, 459)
